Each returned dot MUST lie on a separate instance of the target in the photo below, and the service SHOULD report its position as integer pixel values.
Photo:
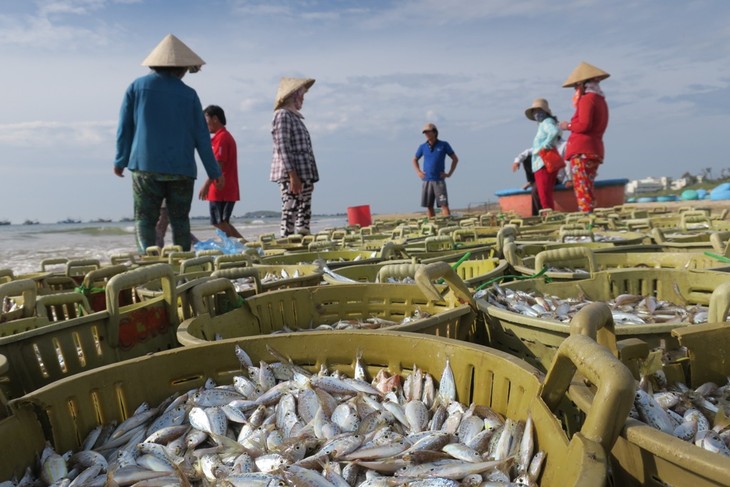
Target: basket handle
(175, 258)
(211, 287)
(576, 233)
(439, 242)
(719, 303)
(104, 273)
(615, 386)
(205, 261)
(464, 235)
(232, 260)
(596, 321)
(238, 273)
(509, 251)
(396, 271)
(26, 288)
(638, 224)
(426, 274)
(507, 232)
(565, 254)
(60, 299)
(658, 235)
(719, 241)
(46, 263)
(393, 250)
(133, 278)
(81, 264)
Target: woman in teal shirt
(547, 136)
(161, 125)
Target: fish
(298, 428)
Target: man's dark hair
(215, 111)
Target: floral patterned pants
(584, 168)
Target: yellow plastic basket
(66, 411)
(536, 340)
(40, 351)
(645, 456)
(334, 258)
(307, 308)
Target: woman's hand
(295, 184)
(564, 125)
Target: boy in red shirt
(222, 200)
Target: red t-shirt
(224, 149)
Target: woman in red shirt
(584, 150)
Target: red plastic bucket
(359, 215)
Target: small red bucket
(359, 215)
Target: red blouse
(587, 126)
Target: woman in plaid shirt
(293, 166)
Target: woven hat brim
(172, 52)
(287, 86)
(584, 72)
(530, 112)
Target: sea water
(24, 247)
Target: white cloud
(44, 134)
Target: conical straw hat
(172, 52)
(538, 103)
(584, 72)
(287, 86)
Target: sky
(383, 68)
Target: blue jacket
(161, 124)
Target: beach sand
(671, 206)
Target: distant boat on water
(69, 220)
(4, 222)
(30, 222)
(100, 220)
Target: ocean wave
(95, 231)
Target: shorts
(434, 192)
(220, 211)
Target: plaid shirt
(292, 148)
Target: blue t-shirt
(434, 159)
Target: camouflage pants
(149, 192)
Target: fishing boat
(30, 222)
(69, 220)
(608, 192)
(4, 222)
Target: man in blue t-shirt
(434, 152)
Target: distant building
(648, 185)
(680, 183)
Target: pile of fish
(278, 424)
(246, 283)
(627, 309)
(700, 416)
(9, 304)
(372, 323)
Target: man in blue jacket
(433, 175)
(161, 125)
